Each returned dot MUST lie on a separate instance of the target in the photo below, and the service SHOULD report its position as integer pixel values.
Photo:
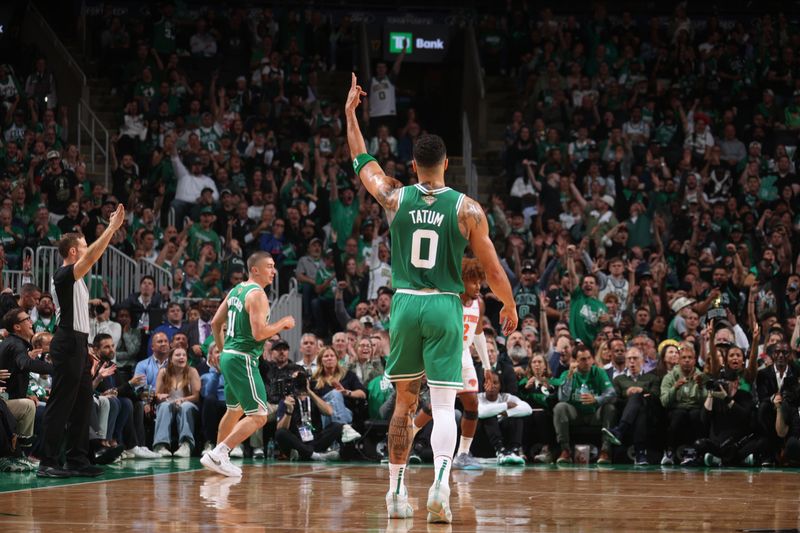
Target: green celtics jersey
(427, 245)
(239, 336)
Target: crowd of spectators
(648, 226)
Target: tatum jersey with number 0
(426, 327)
(427, 245)
(239, 336)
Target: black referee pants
(66, 416)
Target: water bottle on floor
(271, 450)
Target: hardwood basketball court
(177, 495)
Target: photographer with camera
(729, 406)
(299, 419)
(777, 388)
(277, 374)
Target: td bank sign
(400, 40)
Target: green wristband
(360, 161)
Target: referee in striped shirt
(70, 400)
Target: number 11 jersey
(239, 336)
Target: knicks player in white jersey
(473, 277)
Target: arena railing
(13, 279)
(73, 87)
(162, 275)
(98, 137)
(116, 270)
(470, 172)
(474, 92)
(290, 304)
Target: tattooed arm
(474, 226)
(383, 188)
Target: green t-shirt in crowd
(343, 217)
(584, 316)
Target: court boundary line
(97, 481)
(367, 465)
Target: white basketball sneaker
(439, 504)
(221, 464)
(397, 505)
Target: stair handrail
(66, 57)
(364, 55)
(86, 119)
(474, 91)
(99, 137)
(470, 174)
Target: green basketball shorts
(244, 388)
(425, 338)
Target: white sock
(222, 448)
(443, 436)
(464, 445)
(441, 470)
(397, 474)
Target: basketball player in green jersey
(245, 310)
(430, 227)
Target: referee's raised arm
(94, 252)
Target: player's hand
(508, 319)
(487, 376)
(354, 96)
(287, 322)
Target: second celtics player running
(245, 310)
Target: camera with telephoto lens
(725, 377)
(291, 386)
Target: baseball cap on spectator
(110, 200)
(367, 321)
(367, 222)
(207, 210)
(527, 266)
(315, 240)
(681, 303)
(223, 192)
(736, 227)
(328, 252)
(609, 200)
(701, 116)
(53, 154)
(280, 345)
(754, 144)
